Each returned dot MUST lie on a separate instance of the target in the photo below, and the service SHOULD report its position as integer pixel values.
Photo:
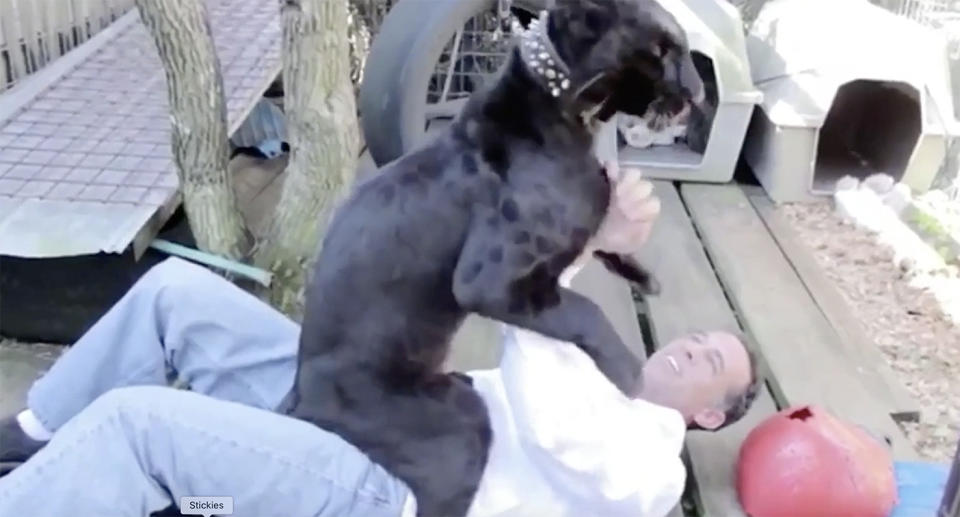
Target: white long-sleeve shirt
(566, 442)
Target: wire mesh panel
(475, 51)
(944, 17)
(941, 15)
(922, 10)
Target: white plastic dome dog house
(715, 31)
(848, 89)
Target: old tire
(401, 61)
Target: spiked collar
(541, 57)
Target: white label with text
(206, 506)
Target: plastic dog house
(848, 89)
(715, 31)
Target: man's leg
(137, 449)
(221, 340)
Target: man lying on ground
(103, 435)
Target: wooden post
(950, 504)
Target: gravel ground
(921, 344)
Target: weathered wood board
(798, 343)
(477, 344)
(862, 354)
(692, 300)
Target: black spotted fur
(482, 219)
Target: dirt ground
(921, 344)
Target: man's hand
(626, 226)
(631, 214)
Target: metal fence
(924, 11)
(33, 33)
(942, 16)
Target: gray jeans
(126, 445)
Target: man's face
(694, 374)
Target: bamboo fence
(33, 33)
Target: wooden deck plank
(477, 344)
(797, 342)
(692, 300)
(871, 368)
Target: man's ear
(709, 418)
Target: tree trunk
(181, 31)
(323, 134)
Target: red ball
(805, 462)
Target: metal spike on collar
(540, 56)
